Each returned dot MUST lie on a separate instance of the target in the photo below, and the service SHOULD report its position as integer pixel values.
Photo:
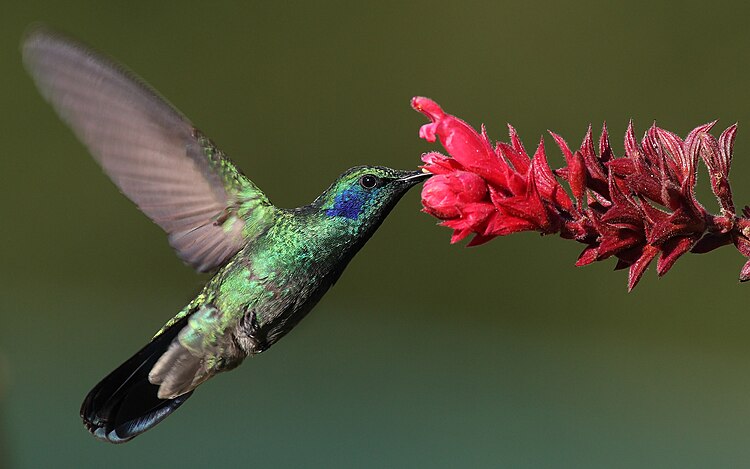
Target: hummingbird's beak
(414, 177)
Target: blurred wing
(153, 154)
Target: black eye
(368, 181)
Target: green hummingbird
(271, 264)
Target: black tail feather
(125, 404)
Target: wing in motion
(153, 154)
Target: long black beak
(414, 177)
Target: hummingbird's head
(361, 198)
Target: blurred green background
(424, 354)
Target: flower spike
(637, 208)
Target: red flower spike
(638, 206)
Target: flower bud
(443, 195)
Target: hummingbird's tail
(125, 404)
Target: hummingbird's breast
(276, 280)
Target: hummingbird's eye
(368, 181)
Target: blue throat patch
(348, 203)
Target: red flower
(635, 207)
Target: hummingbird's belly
(267, 300)
(268, 321)
(274, 282)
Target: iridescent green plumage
(272, 265)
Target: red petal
(742, 244)
(745, 272)
(563, 146)
(623, 210)
(681, 222)
(478, 240)
(632, 149)
(588, 256)
(587, 145)
(462, 142)
(472, 217)
(618, 240)
(652, 216)
(726, 146)
(516, 142)
(520, 161)
(671, 251)
(580, 229)
(437, 163)
(575, 173)
(549, 188)
(503, 224)
(640, 266)
(622, 167)
(717, 155)
(596, 171)
(458, 235)
(674, 151)
(432, 110)
(605, 150)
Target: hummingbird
(271, 265)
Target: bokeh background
(424, 354)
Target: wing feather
(154, 155)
